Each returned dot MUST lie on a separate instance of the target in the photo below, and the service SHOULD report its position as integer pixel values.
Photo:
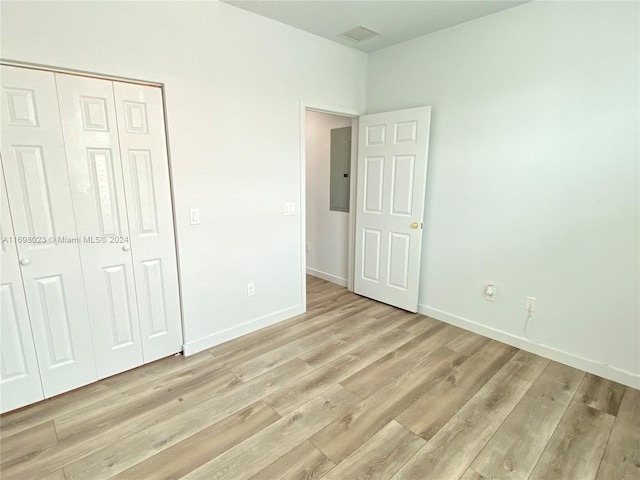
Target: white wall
(327, 231)
(233, 83)
(533, 175)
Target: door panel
(19, 375)
(123, 329)
(20, 107)
(398, 265)
(42, 212)
(148, 193)
(32, 177)
(153, 287)
(371, 255)
(373, 186)
(90, 131)
(402, 185)
(392, 168)
(143, 192)
(51, 296)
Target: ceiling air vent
(359, 34)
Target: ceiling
(395, 20)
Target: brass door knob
(415, 225)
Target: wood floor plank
(459, 392)
(577, 445)
(28, 443)
(75, 400)
(258, 343)
(514, 450)
(437, 406)
(601, 394)
(379, 373)
(277, 356)
(450, 452)
(379, 457)
(331, 350)
(403, 319)
(328, 298)
(325, 295)
(323, 354)
(129, 419)
(305, 462)
(321, 379)
(472, 475)
(277, 439)
(419, 324)
(337, 298)
(621, 460)
(526, 365)
(168, 430)
(343, 436)
(467, 343)
(144, 398)
(315, 283)
(57, 475)
(377, 309)
(197, 449)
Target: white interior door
(88, 115)
(37, 183)
(19, 376)
(392, 172)
(147, 187)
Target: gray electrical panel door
(340, 167)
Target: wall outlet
(490, 292)
(530, 305)
(308, 247)
(194, 216)
(251, 289)
(289, 208)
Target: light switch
(289, 208)
(194, 215)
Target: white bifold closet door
(90, 131)
(92, 288)
(143, 149)
(35, 168)
(19, 375)
(117, 159)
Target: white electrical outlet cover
(194, 216)
(490, 293)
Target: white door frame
(342, 111)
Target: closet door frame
(134, 81)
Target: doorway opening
(330, 142)
(383, 230)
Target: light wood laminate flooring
(352, 389)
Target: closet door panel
(148, 192)
(93, 155)
(19, 376)
(42, 212)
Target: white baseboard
(606, 371)
(209, 341)
(327, 276)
